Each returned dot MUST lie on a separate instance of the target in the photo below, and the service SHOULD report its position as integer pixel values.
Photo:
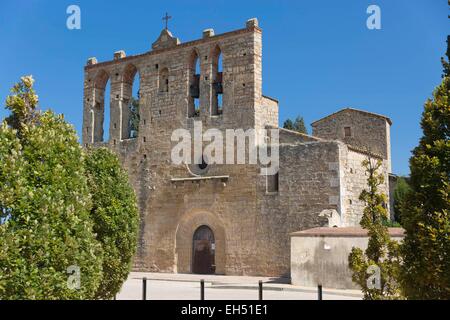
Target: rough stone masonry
(225, 219)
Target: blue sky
(318, 56)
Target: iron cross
(167, 17)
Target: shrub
(45, 226)
(115, 215)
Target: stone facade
(250, 215)
(320, 255)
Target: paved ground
(161, 286)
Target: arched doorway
(203, 251)
(187, 226)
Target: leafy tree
(22, 103)
(297, 125)
(382, 252)
(115, 217)
(44, 206)
(401, 190)
(425, 214)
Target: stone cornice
(174, 48)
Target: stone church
(224, 218)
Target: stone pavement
(165, 286)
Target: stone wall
(320, 255)
(367, 131)
(267, 112)
(305, 190)
(294, 137)
(354, 181)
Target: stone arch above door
(186, 227)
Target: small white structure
(320, 255)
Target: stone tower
(172, 94)
(224, 92)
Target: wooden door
(203, 251)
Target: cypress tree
(426, 211)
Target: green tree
(297, 125)
(288, 124)
(376, 269)
(401, 190)
(23, 104)
(115, 215)
(425, 214)
(45, 226)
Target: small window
(347, 132)
(164, 80)
(272, 183)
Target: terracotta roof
(343, 232)
(357, 110)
